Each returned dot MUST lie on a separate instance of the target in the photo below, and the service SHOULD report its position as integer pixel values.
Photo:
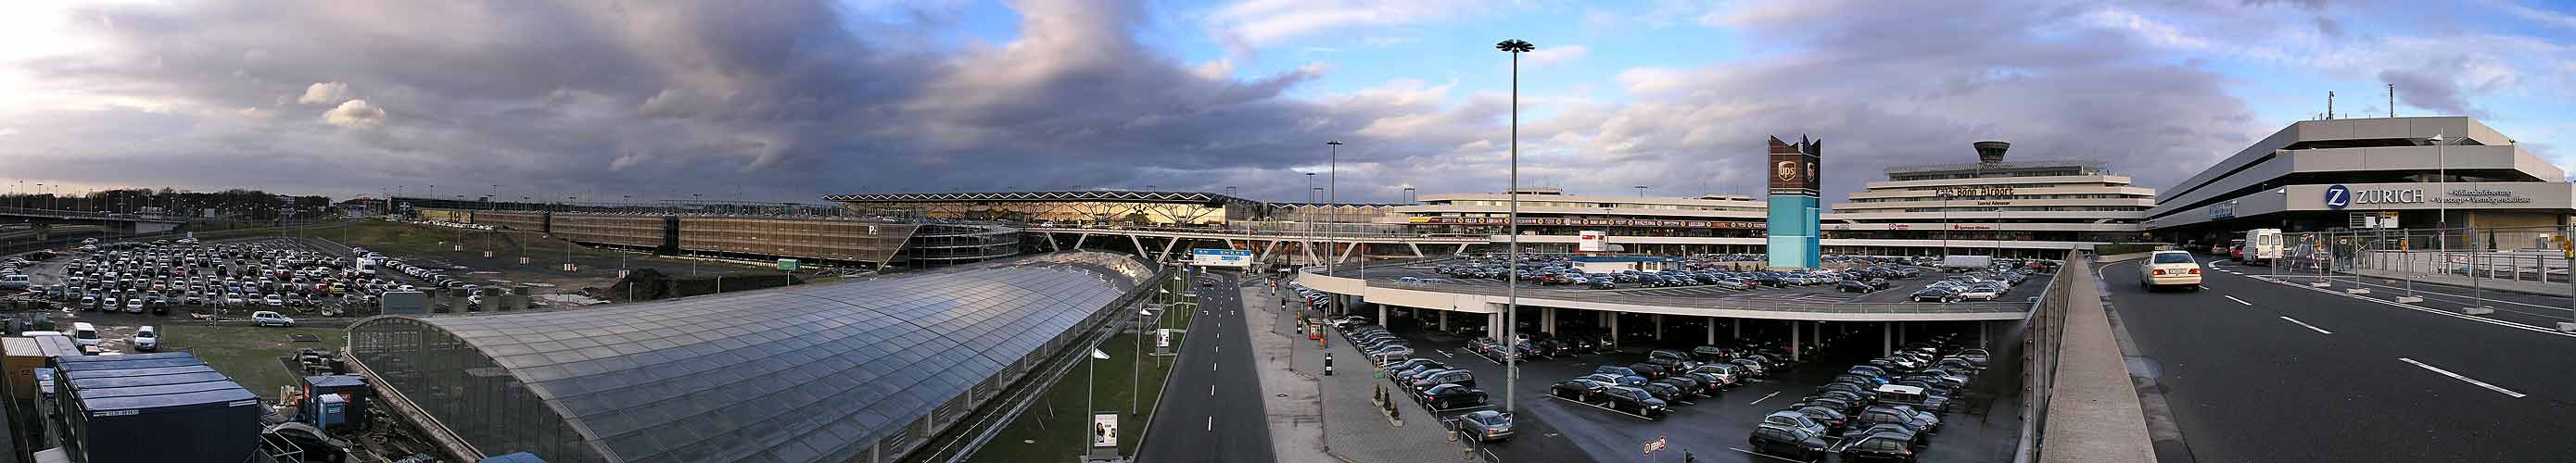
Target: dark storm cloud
(792, 100)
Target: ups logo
(1788, 170)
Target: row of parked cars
(1670, 377)
(1982, 285)
(1884, 410)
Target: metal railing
(2041, 333)
(2479, 269)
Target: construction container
(163, 407)
(323, 392)
(21, 358)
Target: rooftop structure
(859, 371)
(2320, 174)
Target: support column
(1614, 327)
(1381, 315)
(1547, 320)
(1793, 340)
(1417, 249)
(1140, 246)
(1462, 250)
(1167, 249)
(1887, 339)
(1659, 326)
(1494, 326)
(1981, 333)
(1345, 255)
(1712, 331)
(1900, 332)
(1311, 257)
(1078, 239)
(1739, 329)
(1444, 320)
(1051, 244)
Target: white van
(14, 282)
(85, 334)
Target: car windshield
(2173, 258)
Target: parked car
(1464, 377)
(1452, 395)
(1880, 446)
(1579, 389)
(85, 334)
(1935, 294)
(147, 339)
(1787, 442)
(267, 318)
(1635, 400)
(1485, 426)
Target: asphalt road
(1212, 405)
(2259, 371)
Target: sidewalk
(1352, 427)
(1296, 416)
(2094, 415)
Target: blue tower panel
(1793, 238)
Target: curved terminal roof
(805, 373)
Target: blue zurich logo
(2338, 196)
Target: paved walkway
(1296, 415)
(2095, 415)
(1352, 427)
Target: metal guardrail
(2041, 334)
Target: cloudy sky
(789, 100)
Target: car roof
(1900, 389)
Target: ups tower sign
(1794, 167)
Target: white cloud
(2156, 32)
(1550, 56)
(356, 114)
(624, 161)
(325, 93)
(1262, 23)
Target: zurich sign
(2338, 196)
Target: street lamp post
(1332, 167)
(1512, 219)
(1945, 223)
(1641, 190)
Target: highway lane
(1212, 405)
(2256, 370)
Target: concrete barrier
(2090, 411)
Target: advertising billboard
(1221, 257)
(1589, 241)
(1104, 429)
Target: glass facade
(856, 371)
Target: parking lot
(1981, 427)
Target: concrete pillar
(1614, 326)
(1739, 329)
(1981, 333)
(1900, 332)
(1793, 340)
(1547, 320)
(1444, 321)
(1381, 315)
(1887, 338)
(1494, 326)
(1712, 331)
(1659, 327)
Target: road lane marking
(2239, 301)
(1211, 390)
(1211, 427)
(2457, 376)
(1445, 352)
(2201, 287)
(1765, 397)
(2312, 327)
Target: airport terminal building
(1991, 207)
(2320, 175)
(1551, 221)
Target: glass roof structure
(827, 372)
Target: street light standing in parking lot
(1512, 223)
(1332, 163)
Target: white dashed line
(2305, 324)
(1211, 424)
(2239, 301)
(1764, 397)
(2457, 376)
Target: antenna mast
(2329, 105)
(2392, 100)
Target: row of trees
(235, 203)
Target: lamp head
(1515, 46)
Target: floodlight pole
(1512, 219)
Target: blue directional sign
(2338, 196)
(1221, 257)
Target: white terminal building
(1991, 207)
(2327, 175)
(1552, 221)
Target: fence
(2041, 333)
(2481, 270)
